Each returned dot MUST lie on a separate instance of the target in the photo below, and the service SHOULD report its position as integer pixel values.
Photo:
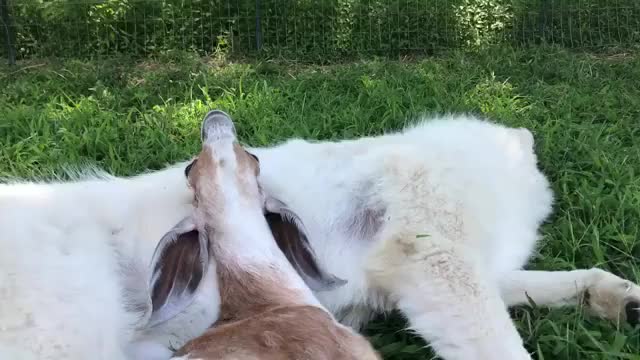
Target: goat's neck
(254, 275)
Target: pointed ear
(178, 266)
(291, 236)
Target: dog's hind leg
(603, 293)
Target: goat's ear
(291, 236)
(178, 266)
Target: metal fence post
(258, 27)
(543, 18)
(7, 25)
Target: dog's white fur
(458, 203)
(74, 256)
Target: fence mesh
(323, 28)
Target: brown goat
(267, 311)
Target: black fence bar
(543, 18)
(258, 28)
(7, 27)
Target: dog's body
(437, 221)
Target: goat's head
(224, 179)
(224, 175)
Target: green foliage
(106, 27)
(481, 21)
(579, 24)
(314, 29)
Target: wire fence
(307, 28)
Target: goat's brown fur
(244, 294)
(281, 333)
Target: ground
(584, 111)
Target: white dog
(436, 221)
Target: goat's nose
(217, 124)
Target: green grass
(584, 112)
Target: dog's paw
(613, 298)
